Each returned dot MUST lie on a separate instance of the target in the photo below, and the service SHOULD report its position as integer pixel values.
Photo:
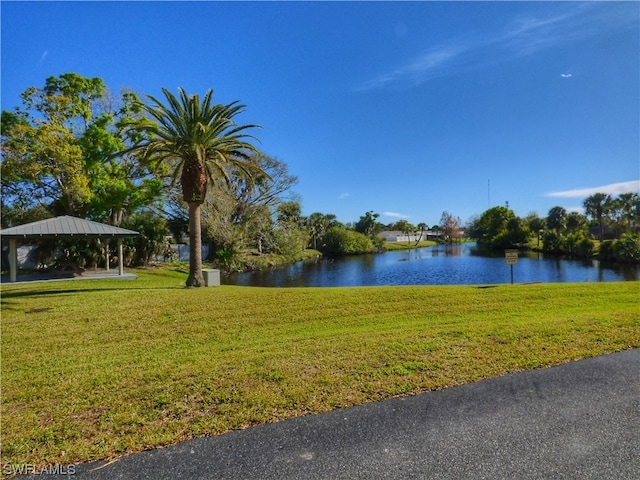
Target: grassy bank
(97, 369)
(391, 246)
(250, 260)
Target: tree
(596, 207)
(269, 190)
(289, 214)
(60, 152)
(576, 222)
(405, 227)
(491, 228)
(201, 143)
(151, 241)
(258, 225)
(535, 224)
(450, 225)
(422, 226)
(288, 239)
(42, 164)
(557, 219)
(318, 224)
(368, 224)
(624, 206)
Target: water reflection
(459, 264)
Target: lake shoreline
(442, 264)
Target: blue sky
(404, 108)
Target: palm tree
(596, 207)
(422, 226)
(627, 202)
(199, 142)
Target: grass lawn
(97, 369)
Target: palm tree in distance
(200, 143)
(597, 206)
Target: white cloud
(566, 75)
(612, 189)
(344, 195)
(417, 71)
(395, 215)
(44, 56)
(521, 36)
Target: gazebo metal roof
(65, 226)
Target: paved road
(576, 421)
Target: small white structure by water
(397, 236)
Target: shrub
(288, 241)
(586, 247)
(627, 249)
(340, 241)
(606, 253)
(553, 242)
(578, 245)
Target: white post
(13, 260)
(106, 254)
(120, 259)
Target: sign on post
(511, 256)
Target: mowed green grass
(97, 369)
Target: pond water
(459, 264)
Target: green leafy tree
(492, 228)
(60, 152)
(42, 164)
(201, 143)
(368, 224)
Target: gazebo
(62, 227)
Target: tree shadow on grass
(69, 291)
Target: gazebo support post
(13, 260)
(106, 254)
(120, 259)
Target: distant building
(397, 236)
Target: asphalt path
(580, 420)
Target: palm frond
(187, 128)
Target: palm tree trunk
(195, 279)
